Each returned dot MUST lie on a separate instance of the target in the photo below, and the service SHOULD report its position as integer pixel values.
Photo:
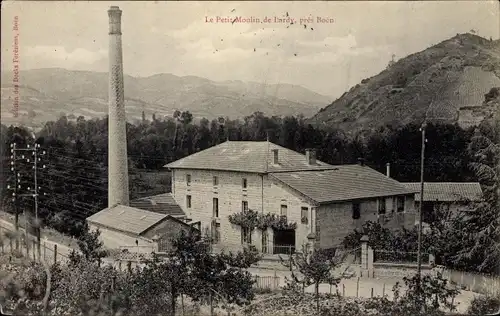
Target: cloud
(60, 54)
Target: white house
(325, 202)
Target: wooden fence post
(330, 289)
(44, 251)
(371, 295)
(343, 290)
(55, 253)
(383, 290)
(211, 304)
(34, 252)
(10, 244)
(357, 288)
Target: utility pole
(14, 188)
(34, 193)
(419, 250)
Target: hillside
(448, 81)
(50, 92)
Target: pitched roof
(344, 183)
(162, 203)
(247, 156)
(126, 219)
(447, 191)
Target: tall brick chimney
(117, 137)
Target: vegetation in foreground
(199, 280)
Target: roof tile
(127, 219)
(162, 203)
(447, 191)
(344, 183)
(247, 156)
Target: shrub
(481, 305)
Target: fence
(27, 245)
(49, 254)
(283, 249)
(271, 283)
(384, 256)
(479, 283)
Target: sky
(354, 40)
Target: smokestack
(388, 170)
(117, 137)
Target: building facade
(323, 203)
(136, 230)
(446, 196)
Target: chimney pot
(311, 156)
(361, 161)
(388, 169)
(275, 156)
(115, 16)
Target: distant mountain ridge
(446, 82)
(50, 91)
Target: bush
(482, 305)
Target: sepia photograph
(250, 158)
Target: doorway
(284, 241)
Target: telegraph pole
(15, 193)
(34, 193)
(419, 250)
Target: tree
(170, 275)
(426, 296)
(216, 276)
(91, 248)
(314, 269)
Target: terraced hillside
(446, 82)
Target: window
(381, 206)
(188, 179)
(215, 207)
(244, 206)
(304, 212)
(356, 213)
(283, 211)
(188, 201)
(246, 235)
(244, 183)
(401, 204)
(215, 233)
(216, 181)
